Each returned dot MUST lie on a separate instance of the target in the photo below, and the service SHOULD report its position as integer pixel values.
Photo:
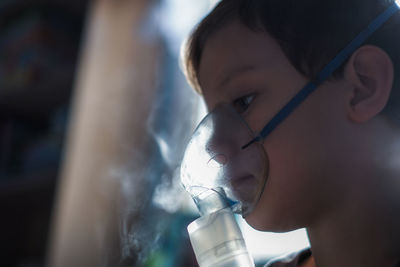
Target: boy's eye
(241, 104)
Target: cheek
(301, 153)
(289, 197)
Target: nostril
(218, 161)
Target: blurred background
(94, 116)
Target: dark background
(39, 46)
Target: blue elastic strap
(325, 73)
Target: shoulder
(291, 260)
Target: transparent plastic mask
(216, 160)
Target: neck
(364, 231)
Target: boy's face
(306, 164)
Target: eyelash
(241, 104)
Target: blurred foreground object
(114, 93)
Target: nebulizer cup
(223, 178)
(215, 236)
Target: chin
(262, 223)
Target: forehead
(234, 50)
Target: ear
(369, 72)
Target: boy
(334, 160)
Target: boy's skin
(334, 163)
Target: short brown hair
(310, 32)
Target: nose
(227, 133)
(221, 147)
(218, 161)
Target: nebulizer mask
(225, 167)
(223, 177)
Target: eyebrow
(235, 72)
